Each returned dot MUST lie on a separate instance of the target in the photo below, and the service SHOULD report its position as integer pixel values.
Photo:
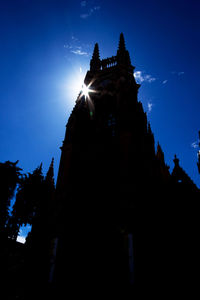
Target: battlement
(108, 62)
(121, 59)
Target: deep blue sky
(46, 46)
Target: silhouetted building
(118, 219)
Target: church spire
(95, 62)
(123, 57)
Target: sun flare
(75, 88)
(85, 90)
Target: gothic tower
(110, 221)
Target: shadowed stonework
(120, 214)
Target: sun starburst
(86, 90)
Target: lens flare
(85, 90)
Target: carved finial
(160, 153)
(40, 168)
(176, 161)
(95, 63)
(50, 172)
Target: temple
(120, 215)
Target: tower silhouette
(113, 190)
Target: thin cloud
(89, 11)
(79, 52)
(178, 73)
(95, 8)
(149, 107)
(165, 81)
(83, 3)
(149, 78)
(74, 38)
(77, 48)
(140, 77)
(85, 16)
(68, 46)
(195, 145)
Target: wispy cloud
(84, 16)
(83, 3)
(179, 73)
(79, 52)
(88, 11)
(175, 73)
(165, 81)
(74, 38)
(76, 47)
(141, 77)
(149, 78)
(195, 145)
(149, 107)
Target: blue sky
(45, 52)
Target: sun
(85, 90)
(76, 88)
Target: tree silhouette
(9, 178)
(27, 204)
(33, 205)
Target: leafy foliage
(27, 204)
(9, 178)
(32, 205)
